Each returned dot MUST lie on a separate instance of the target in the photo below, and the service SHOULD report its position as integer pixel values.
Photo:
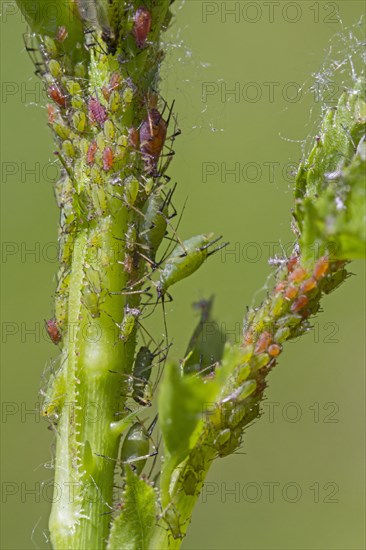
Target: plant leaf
(133, 528)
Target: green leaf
(133, 528)
(44, 17)
(182, 404)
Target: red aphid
(291, 263)
(301, 302)
(321, 267)
(290, 292)
(54, 92)
(142, 26)
(61, 34)
(97, 112)
(263, 342)
(274, 350)
(108, 158)
(297, 275)
(308, 285)
(90, 155)
(53, 331)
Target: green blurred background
(299, 483)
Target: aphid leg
(175, 230)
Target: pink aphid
(97, 113)
(142, 26)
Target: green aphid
(128, 95)
(115, 101)
(236, 415)
(101, 141)
(149, 184)
(222, 437)
(259, 361)
(54, 396)
(77, 102)
(50, 46)
(61, 309)
(122, 141)
(55, 68)
(79, 121)
(135, 448)
(277, 305)
(282, 334)
(68, 149)
(61, 130)
(131, 190)
(90, 299)
(289, 321)
(231, 444)
(73, 88)
(196, 459)
(190, 482)
(66, 243)
(331, 282)
(109, 129)
(185, 260)
(154, 224)
(128, 323)
(239, 394)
